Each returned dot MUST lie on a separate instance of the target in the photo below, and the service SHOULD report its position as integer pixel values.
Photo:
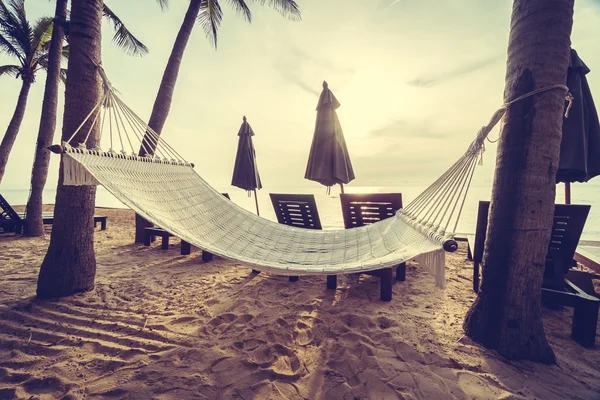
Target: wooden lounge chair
(186, 248)
(12, 221)
(557, 288)
(299, 210)
(361, 209)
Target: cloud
(465, 69)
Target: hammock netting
(166, 190)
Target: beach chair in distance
(557, 289)
(186, 248)
(299, 210)
(361, 209)
(12, 221)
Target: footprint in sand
(302, 334)
(385, 323)
(357, 321)
(221, 319)
(47, 385)
(480, 388)
(222, 364)
(183, 320)
(6, 376)
(249, 345)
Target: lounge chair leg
(585, 318)
(294, 278)
(255, 271)
(103, 224)
(476, 277)
(165, 242)
(147, 238)
(401, 272)
(186, 248)
(206, 256)
(386, 284)
(331, 282)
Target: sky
(416, 80)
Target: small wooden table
(151, 232)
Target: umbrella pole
(256, 201)
(567, 192)
(342, 187)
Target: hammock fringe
(436, 262)
(75, 174)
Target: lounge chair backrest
(7, 212)
(481, 230)
(299, 210)
(365, 208)
(569, 220)
(567, 227)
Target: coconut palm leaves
(29, 45)
(211, 13)
(18, 38)
(123, 38)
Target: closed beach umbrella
(245, 170)
(580, 146)
(329, 161)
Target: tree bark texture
(70, 264)
(507, 312)
(15, 123)
(33, 220)
(162, 104)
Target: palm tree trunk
(13, 127)
(33, 221)
(507, 312)
(70, 264)
(162, 104)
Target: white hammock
(169, 193)
(177, 199)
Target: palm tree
(209, 14)
(507, 312)
(125, 40)
(70, 265)
(29, 45)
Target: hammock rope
(165, 189)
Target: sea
(329, 204)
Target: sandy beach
(164, 326)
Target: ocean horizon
(329, 204)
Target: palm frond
(11, 70)
(16, 35)
(7, 47)
(123, 38)
(25, 32)
(241, 7)
(210, 17)
(164, 4)
(43, 64)
(42, 32)
(287, 8)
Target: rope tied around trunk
(569, 98)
